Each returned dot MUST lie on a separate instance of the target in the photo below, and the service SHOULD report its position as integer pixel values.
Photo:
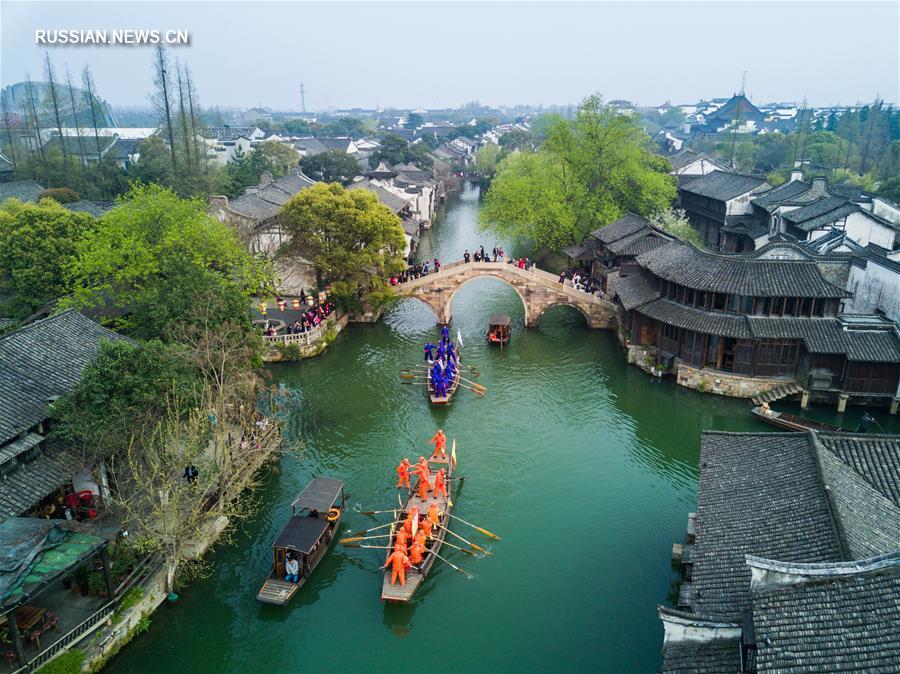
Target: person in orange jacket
(403, 474)
(434, 514)
(411, 516)
(422, 468)
(440, 486)
(401, 546)
(415, 553)
(439, 440)
(397, 561)
(421, 537)
(402, 537)
(424, 486)
(425, 525)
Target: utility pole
(744, 83)
(302, 98)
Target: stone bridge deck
(539, 290)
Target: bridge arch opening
(570, 314)
(488, 281)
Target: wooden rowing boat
(443, 400)
(792, 422)
(416, 575)
(498, 331)
(316, 516)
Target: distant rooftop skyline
(439, 55)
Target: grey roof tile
(724, 186)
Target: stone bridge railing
(538, 289)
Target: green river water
(584, 465)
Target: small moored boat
(791, 422)
(316, 517)
(415, 576)
(498, 329)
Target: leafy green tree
(279, 156)
(395, 150)
(37, 243)
(517, 139)
(353, 240)
(127, 388)
(528, 198)
(414, 121)
(675, 222)
(154, 164)
(486, 159)
(149, 239)
(333, 166)
(890, 189)
(586, 174)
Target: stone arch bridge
(539, 291)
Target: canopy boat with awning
(498, 329)
(316, 516)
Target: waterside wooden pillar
(842, 402)
(895, 403)
(16, 637)
(804, 400)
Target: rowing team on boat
(404, 557)
(444, 361)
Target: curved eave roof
(686, 265)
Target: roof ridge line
(833, 514)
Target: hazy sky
(444, 54)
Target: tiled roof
(73, 144)
(389, 199)
(624, 226)
(773, 198)
(95, 208)
(641, 241)
(690, 318)
(848, 621)
(23, 190)
(30, 482)
(876, 457)
(759, 494)
(42, 361)
(815, 209)
(719, 656)
(685, 264)
(228, 133)
(828, 335)
(632, 290)
(723, 186)
(266, 202)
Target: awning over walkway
(35, 551)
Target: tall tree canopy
(585, 175)
(333, 166)
(156, 248)
(37, 242)
(353, 241)
(395, 150)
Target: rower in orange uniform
(426, 525)
(415, 553)
(411, 516)
(421, 537)
(402, 537)
(424, 486)
(439, 440)
(434, 513)
(403, 474)
(440, 487)
(397, 561)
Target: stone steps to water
(777, 393)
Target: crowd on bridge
(583, 282)
(443, 359)
(416, 270)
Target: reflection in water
(584, 465)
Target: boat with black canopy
(316, 516)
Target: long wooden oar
(473, 390)
(476, 385)
(471, 545)
(378, 512)
(405, 372)
(465, 573)
(363, 533)
(477, 528)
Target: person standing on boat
(451, 352)
(398, 563)
(292, 569)
(429, 348)
(445, 332)
(440, 487)
(434, 513)
(425, 525)
(403, 474)
(439, 440)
